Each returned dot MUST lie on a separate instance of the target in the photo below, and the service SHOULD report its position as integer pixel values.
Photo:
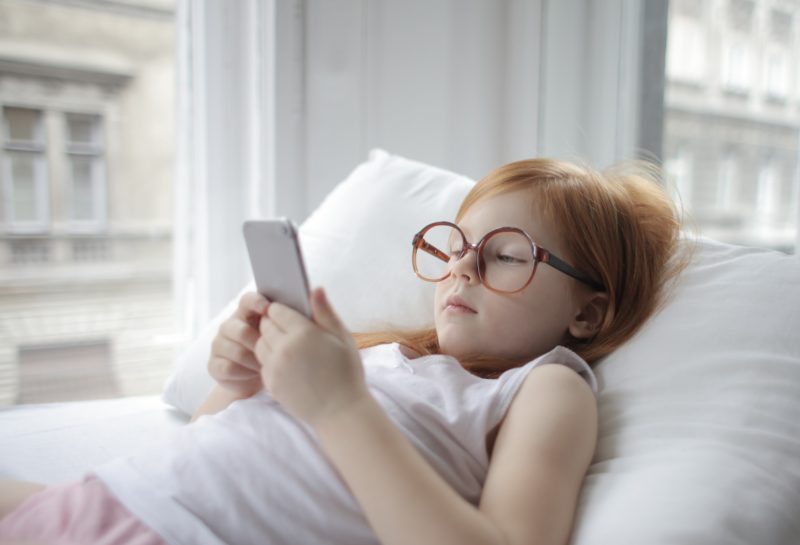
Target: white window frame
(227, 156)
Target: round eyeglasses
(506, 257)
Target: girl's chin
(457, 348)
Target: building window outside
(768, 193)
(686, 53)
(728, 187)
(732, 140)
(776, 77)
(24, 169)
(87, 156)
(736, 69)
(679, 170)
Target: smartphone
(277, 262)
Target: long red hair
(618, 226)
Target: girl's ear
(589, 318)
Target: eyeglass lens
(505, 262)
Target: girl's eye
(509, 258)
(502, 258)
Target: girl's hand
(312, 368)
(232, 363)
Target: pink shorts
(81, 512)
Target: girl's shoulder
(560, 357)
(564, 358)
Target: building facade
(87, 91)
(732, 118)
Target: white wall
(453, 83)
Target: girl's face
(472, 320)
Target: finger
(286, 318)
(227, 349)
(262, 352)
(323, 313)
(271, 333)
(225, 370)
(252, 304)
(243, 387)
(240, 332)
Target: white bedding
(55, 442)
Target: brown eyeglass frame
(539, 255)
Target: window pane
(22, 124)
(23, 182)
(80, 129)
(732, 132)
(82, 189)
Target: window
(84, 153)
(24, 169)
(768, 193)
(736, 65)
(686, 49)
(737, 54)
(778, 55)
(679, 172)
(728, 188)
(86, 199)
(776, 74)
(731, 142)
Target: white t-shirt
(253, 474)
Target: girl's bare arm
(218, 399)
(537, 467)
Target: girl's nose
(467, 266)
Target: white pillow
(700, 413)
(357, 244)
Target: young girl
(478, 431)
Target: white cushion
(356, 244)
(699, 438)
(700, 413)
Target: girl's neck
(409, 352)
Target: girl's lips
(457, 304)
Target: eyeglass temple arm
(568, 269)
(420, 243)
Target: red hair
(617, 226)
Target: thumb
(323, 313)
